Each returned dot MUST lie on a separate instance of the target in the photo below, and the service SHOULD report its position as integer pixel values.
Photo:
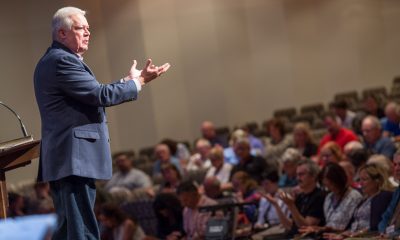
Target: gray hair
(62, 19)
(312, 167)
(374, 121)
(291, 155)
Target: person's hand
(174, 236)
(151, 71)
(133, 72)
(333, 236)
(287, 198)
(271, 199)
(148, 73)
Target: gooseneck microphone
(19, 119)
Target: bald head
(371, 129)
(208, 130)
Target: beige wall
(232, 61)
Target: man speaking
(75, 146)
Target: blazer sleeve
(77, 82)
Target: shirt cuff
(137, 83)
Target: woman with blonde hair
(303, 141)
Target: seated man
(391, 121)
(200, 160)
(212, 189)
(373, 139)
(194, 221)
(208, 132)
(336, 132)
(253, 166)
(306, 208)
(344, 115)
(127, 177)
(163, 156)
(390, 223)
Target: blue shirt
(383, 146)
(389, 126)
(387, 215)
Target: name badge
(390, 229)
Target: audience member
(371, 107)
(171, 178)
(213, 189)
(278, 142)
(246, 190)
(117, 225)
(267, 213)
(330, 152)
(194, 221)
(390, 224)
(163, 156)
(254, 166)
(229, 152)
(350, 147)
(391, 122)
(41, 202)
(306, 208)
(169, 214)
(385, 164)
(219, 169)
(290, 159)
(336, 132)
(344, 115)
(374, 141)
(200, 160)
(16, 205)
(302, 140)
(342, 200)
(208, 132)
(257, 146)
(177, 149)
(127, 178)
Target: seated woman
(339, 204)
(330, 152)
(377, 193)
(246, 191)
(117, 225)
(302, 140)
(171, 178)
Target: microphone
(19, 119)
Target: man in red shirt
(336, 132)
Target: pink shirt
(194, 222)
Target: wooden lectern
(14, 154)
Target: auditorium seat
(288, 113)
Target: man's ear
(61, 34)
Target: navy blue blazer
(75, 139)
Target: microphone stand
(25, 139)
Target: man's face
(242, 150)
(331, 125)
(396, 167)
(162, 153)
(76, 38)
(123, 163)
(370, 132)
(303, 176)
